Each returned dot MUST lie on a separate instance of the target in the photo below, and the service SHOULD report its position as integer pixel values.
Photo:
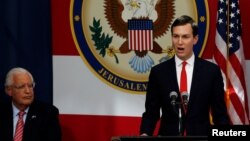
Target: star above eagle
(142, 9)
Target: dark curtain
(25, 41)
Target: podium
(159, 138)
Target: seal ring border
(76, 27)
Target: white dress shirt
(189, 70)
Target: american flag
(229, 55)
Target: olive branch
(101, 40)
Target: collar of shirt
(189, 70)
(15, 114)
(190, 61)
(16, 111)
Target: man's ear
(8, 90)
(196, 38)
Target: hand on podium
(144, 134)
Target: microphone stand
(183, 102)
(180, 120)
(180, 117)
(179, 112)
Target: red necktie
(183, 82)
(183, 86)
(19, 127)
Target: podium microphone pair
(184, 101)
(173, 96)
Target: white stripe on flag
(78, 91)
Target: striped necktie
(19, 127)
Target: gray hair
(12, 72)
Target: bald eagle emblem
(139, 29)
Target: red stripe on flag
(144, 46)
(62, 40)
(136, 40)
(236, 103)
(220, 60)
(238, 69)
(98, 128)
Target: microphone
(173, 95)
(184, 96)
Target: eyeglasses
(23, 86)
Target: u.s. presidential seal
(121, 40)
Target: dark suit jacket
(206, 92)
(42, 123)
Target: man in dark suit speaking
(183, 90)
(23, 118)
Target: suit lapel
(30, 123)
(195, 81)
(172, 80)
(10, 121)
(172, 75)
(7, 122)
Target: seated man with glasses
(24, 118)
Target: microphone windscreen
(173, 93)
